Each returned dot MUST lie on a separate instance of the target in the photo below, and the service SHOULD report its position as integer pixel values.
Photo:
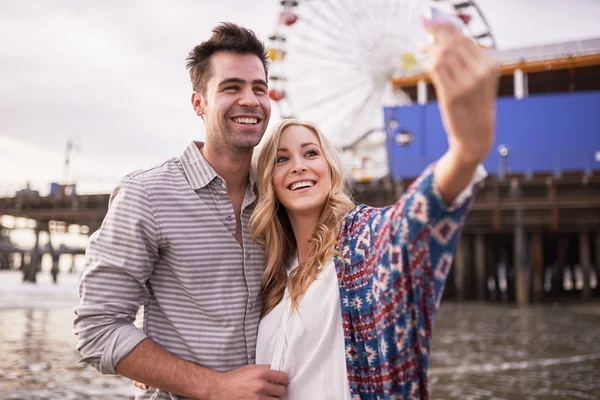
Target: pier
(51, 213)
(521, 236)
(525, 238)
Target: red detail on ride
(466, 18)
(276, 94)
(288, 18)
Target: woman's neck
(303, 227)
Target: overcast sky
(110, 75)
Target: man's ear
(197, 104)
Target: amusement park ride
(334, 62)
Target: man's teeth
(245, 120)
(299, 185)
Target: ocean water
(479, 350)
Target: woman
(350, 293)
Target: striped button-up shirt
(168, 244)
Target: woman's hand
(465, 77)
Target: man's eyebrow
(241, 81)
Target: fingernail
(145, 387)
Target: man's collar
(198, 171)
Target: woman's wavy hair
(271, 227)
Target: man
(175, 240)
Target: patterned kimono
(395, 264)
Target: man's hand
(466, 83)
(249, 382)
(252, 382)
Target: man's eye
(261, 90)
(231, 88)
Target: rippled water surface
(479, 351)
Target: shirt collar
(198, 171)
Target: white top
(308, 345)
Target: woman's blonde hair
(270, 224)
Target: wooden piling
(460, 267)
(561, 256)
(520, 259)
(584, 261)
(597, 260)
(30, 270)
(536, 260)
(480, 267)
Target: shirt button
(229, 217)
(218, 181)
(248, 256)
(252, 306)
(253, 355)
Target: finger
(278, 377)
(440, 66)
(140, 386)
(441, 30)
(277, 391)
(428, 48)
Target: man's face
(235, 106)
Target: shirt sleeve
(119, 260)
(415, 238)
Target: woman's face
(302, 178)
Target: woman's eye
(311, 153)
(281, 159)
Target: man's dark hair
(226, 36)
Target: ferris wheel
(333, 60)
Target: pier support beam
(584, 261)
(522, 272)
(561, 256)
(460, 267)
(30, 271)
(480, 267)
(597, 261)
(520, 259)
(536, 259)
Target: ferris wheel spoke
(310, 44)
(373, 35)
(358, 36)
(350, 26)
(329, 20)
(316, 33)
(346, 89)
(317, 56)
(329, 65)
(361, 111)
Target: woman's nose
(299, 165)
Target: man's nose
(248, 98)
